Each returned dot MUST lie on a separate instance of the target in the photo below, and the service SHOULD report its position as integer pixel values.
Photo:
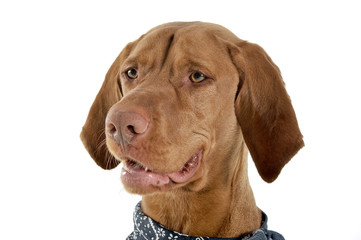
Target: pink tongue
(156, 179)
(140, 175)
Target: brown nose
(124, 127)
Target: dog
(181, 107)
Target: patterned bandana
(146, 228)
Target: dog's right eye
(197, 77)
(132, 73)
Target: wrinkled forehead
(180, 44)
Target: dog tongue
(156, 179)
(136, 173)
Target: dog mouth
(137, 175)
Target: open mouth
(138, 175)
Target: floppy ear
(264, 111)
(93, 132)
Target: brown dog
(180, 107)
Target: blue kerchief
(146, 228)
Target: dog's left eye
(197, 77)
(132, 73)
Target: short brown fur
(243, 105)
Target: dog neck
(232, 213)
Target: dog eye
(132, 73)
(197, 77)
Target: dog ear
(93, 132)
(264, 111)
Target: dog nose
(123, 127)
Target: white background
(53, 59)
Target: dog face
(177, 104)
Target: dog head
(177, 104)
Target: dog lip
(140, 176)
(136, 173)
(188, 169)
